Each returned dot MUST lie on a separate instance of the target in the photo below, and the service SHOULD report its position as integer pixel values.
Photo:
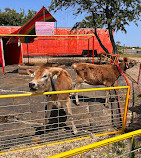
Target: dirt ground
(14, 83)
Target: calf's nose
(31, 84)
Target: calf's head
(42, 80)
(129, 63)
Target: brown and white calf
(99, 74)
(43, 82)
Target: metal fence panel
(22, 116)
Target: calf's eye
(44, 76)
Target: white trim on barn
(3, 61)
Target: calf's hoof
(75, 131)
(77, 103)
(106, 105)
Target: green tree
(113, 15)
(11, 18)
(29, 15)
(118, 43)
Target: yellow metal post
(126, 108)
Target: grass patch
(130, 55)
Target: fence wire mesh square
(22, 118)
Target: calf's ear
(30, 72)
(126, 59)
(55, 73)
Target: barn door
(11, 52)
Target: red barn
(62, 44)
(68, 45)
(9, 53)
(48, 46)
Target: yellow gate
(22, 117)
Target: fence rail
(100, 144)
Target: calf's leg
(47, 114)
(108, 84)
(69, 113)
(107, 98)
(77, 85)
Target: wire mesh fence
(22, 117)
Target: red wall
(63, 46)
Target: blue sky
(65, 18)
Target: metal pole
(133, 102)
(56, 27)
(2, 55)
(22, 52)
(126, 109)
(138, 81)
(88, 51)
(93, 49)
(132, 154)
(44, 14)
(28, 53)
